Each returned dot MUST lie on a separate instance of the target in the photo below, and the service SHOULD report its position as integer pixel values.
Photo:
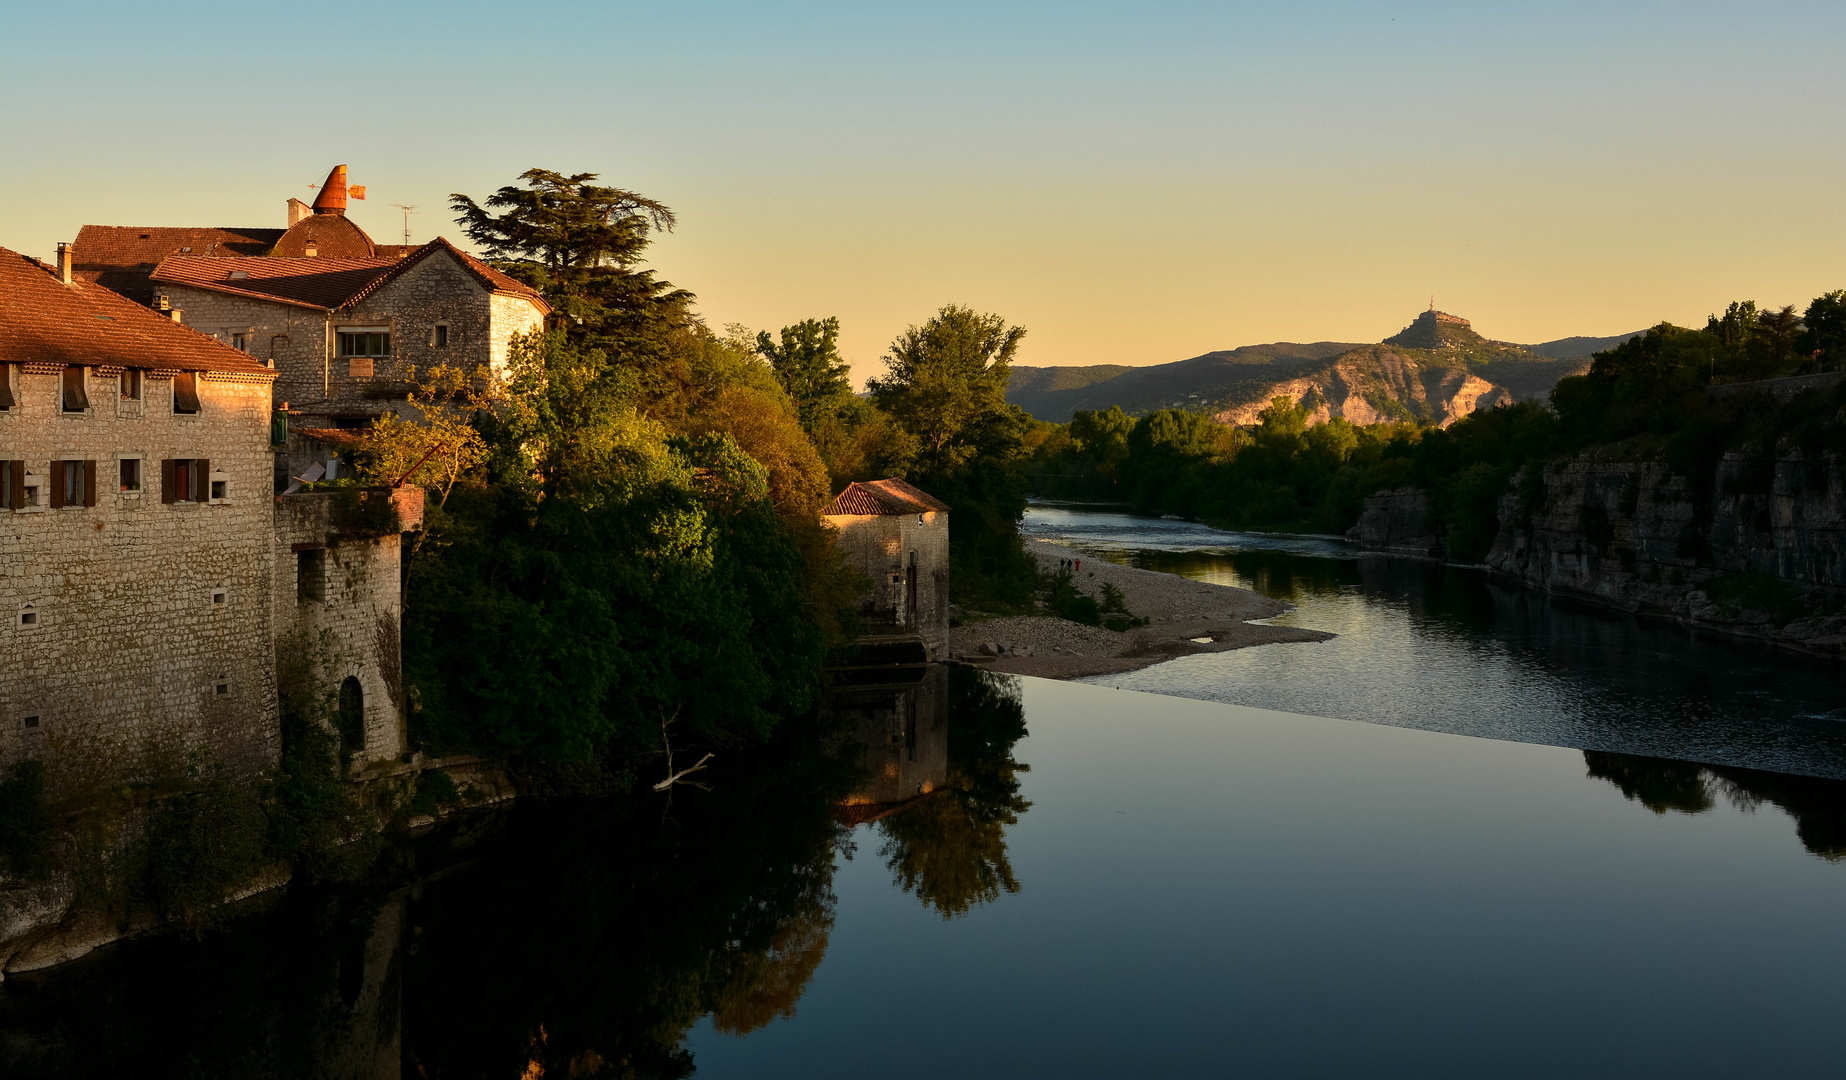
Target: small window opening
(76, 396)
(131, 474)
(352, 716)
(223, 689)
(219, 596)
(131, 384)
(310, 574)
(440, 339)
(30, 723)
(28, 618)
(218, 489)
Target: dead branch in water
(675, 777)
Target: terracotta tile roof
(120, 256)
(322, 283)
(492, 280)
(879, 497)
(43, 320)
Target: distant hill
(1436, 370)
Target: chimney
(298, 210)
(176, 313)
(65, 257)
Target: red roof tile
(43, 320)
(120, 256)
(880, 497)
(323, 283)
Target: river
(1446, 649)
(947, 872)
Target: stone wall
(134, 627)
(883, 548)
(338, 570)
(302, 344)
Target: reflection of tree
(950, 848)
(1817, 804)
(1659, 784)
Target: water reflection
(1817, 804)
(567, 937)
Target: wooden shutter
(57, 484)
(169, 480)
(202, 474)
(6, 386)
(89, 483)
(186, 392)
(76, 396)
(18, 469)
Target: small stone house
(898, 536)
(147, 568)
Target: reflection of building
(898, 536)
(900, 726)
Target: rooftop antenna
(408, 210)
(1432, 301)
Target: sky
(1133, 183)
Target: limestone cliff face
(1397, 523)
(1761, 553)
(1376, 384)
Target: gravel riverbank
(1185, 617)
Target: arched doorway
(352, 717)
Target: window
(220, 598)
(128, 473)
(183, 480)
(240, 341)
(30, 723)
(310, 574)
(131, 384)
(186, 393)
(439, 336)
(6, 387)
(76, 396)
(363, 347)
(219, 487)
(73, 483)
(11, 482)
(28, 617)
(365, 343)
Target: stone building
(898, 536)
(342, 320)
(146, 566)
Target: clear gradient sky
(1133, 182)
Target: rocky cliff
(1758, 549)
(1377, 384)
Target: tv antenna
(408, 210)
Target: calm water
(1441, 648)
(1098, 883)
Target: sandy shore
(1181, 612)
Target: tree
(580, 245)
(946, 383)
(808, 365)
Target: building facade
(898, 536)
(144, 555)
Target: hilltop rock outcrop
(1377, 384)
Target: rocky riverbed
(1184, 617)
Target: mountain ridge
(1436, 370)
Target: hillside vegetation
(1285, 471)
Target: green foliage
(1063, 599)
(809, 367)
(1735, 594)
(945, 383)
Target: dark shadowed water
(1446, 649)
(967, 875)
